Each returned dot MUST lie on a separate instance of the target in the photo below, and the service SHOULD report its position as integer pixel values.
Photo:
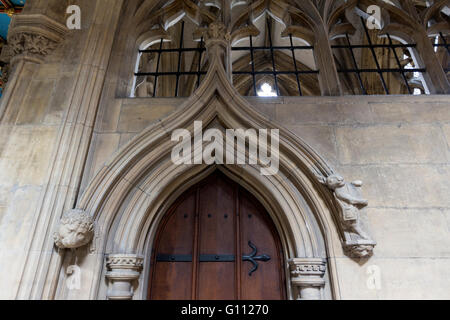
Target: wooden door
(217, 242)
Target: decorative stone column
(307, 277)
(218, 44)
(123, 270)
(31, 38)
(34, 36)
(435, 76)
(330, 84)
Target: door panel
(175, 237)
(199, 247)
(257, 228)
(216, 208)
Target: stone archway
(216, 242)
(131, 193)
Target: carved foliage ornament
(33, 37)
(75, 230)
(215, 32)
(31, 43)
(358, 243)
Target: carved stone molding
(359, 249)
(76, 229)
(33, 37)
(5, 70)
(123, 270)
(307, 277)
(217, 43)
(357, 241)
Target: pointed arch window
(286, 63)
(280, 44)
(369, 64)
(172, 66)
(441, 45)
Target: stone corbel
(75, 230)
(357, 242)
(307, 277)
(33, 37)
(123, 270)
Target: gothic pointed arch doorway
(217, 242)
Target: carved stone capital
(217, 43)
(216, 31)
(76, 229)
(33, 37)
(307, 277)
(123, 270)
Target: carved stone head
(217, 30)
(335, 181)
(75, 230)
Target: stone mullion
(435, 76)
(31, 38)
(328, 76)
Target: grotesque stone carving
(358, 243)
(218, 31)
(76, 229)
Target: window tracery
(298, 47)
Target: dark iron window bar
(296, 72)
(444, 44)
(253, 73)
(402, 70)
(274, 72)
(180, 50)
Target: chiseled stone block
(446, 129)
(414, 278)
(135, 118)
(394, 278)
(436, 109)
(26, 155)
(36, 101)
(321, 137)
(105, 145)
(404, 233)
(323, 113)
(400, 186)
(391, 144)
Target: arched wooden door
(217, 242)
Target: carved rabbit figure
(349, 198)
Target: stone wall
(399, 146)
(67, 116)
(43, 119)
